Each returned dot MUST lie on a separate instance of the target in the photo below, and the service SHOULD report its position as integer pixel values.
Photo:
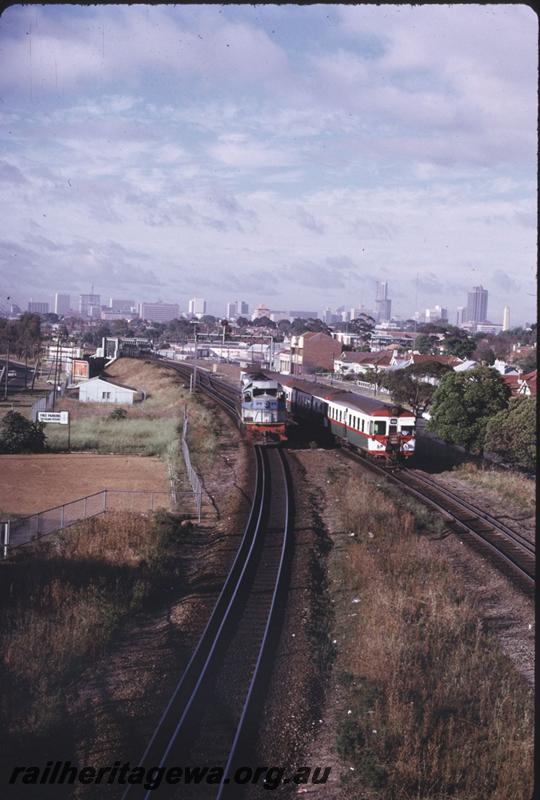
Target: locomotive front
(263, 409)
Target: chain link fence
(21, 531)
(193, 475)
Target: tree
(458, 344)
(19, 435)
(423, 344)
(512, 433)
(527, 362)
(484, 352)
(242, 322)
(263, 322)
(413, 385)
(463, 403)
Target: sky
(286, 155)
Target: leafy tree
(263, 322)
(284, 325)
(459, 344)
(463, 403)
(19, 435)
(362, 326)
(512, 433)
(242, 322)
(527, 362)
(484, 352)
(423, 344)
(412, 385)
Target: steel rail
(519, 568)
(176, 714)
(485, 515)
(208, 639)
(224, 788)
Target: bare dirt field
(30, 483)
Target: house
(527, 384)
(103, 390)
(311, 352)
(350, 363)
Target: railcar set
(376, 429)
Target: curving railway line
(506, 548)
(209, 718)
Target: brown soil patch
(32, 483)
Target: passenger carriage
(375, 428)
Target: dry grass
(509, 485)
(437, 712)
(61, 602)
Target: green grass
(150, 437)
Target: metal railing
(193, 475)
(16, 532)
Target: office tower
(62, 304)
(506, 319)
(88, 303)
(38, 308)
(460, 315)
(477, 301)
(197, 307)
(159, 312)
(121, 306)
(231, 310)
(383, 304)
(242, 308)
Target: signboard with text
(60, 417)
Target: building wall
(313, 352)
(94, 391)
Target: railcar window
(407, 430)
(379, 427)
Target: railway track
(210, 716)
(509, 550)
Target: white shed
(101, 390)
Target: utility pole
(56, 370)
(6, 371)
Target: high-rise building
(159, 312)
(197, 307)
(88, 304)
(506, 319)
(38, 308)
(121, 306)
(231, 310)
(436, 314)
(477, 302)
(62, 304)
(383, 304)
(460, 315)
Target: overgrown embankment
(61, 602)
(431, 707)
(146, 427)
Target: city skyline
(296, 155)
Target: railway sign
(60, 417)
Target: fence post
(104, 500)
(84, 507)
(6, 537)
(62, 518)
(37, 529)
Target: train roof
(330, 394)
